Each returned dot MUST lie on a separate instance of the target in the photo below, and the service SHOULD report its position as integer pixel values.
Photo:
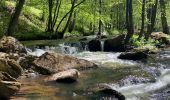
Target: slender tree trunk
(143, 19)
(15, 17)
(94, 18)
(163, 17)
(100, 22)
(72, 23)
(129, 21)
(61, 34)
(50, 18)
(56, 12)
(69, 18)
(152, 18)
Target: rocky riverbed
(69, 71)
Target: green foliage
(114, 32)
(136, 42)
(34, 17)
(72, 34)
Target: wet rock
(11, 67)
(94, 45)
(106, 90)
(68, 76)
(29, 73)
(11, 45)
(133, 55)
(50, 63)
(27, 61)
(115, 44)
(8, 86)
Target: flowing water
(144, 80)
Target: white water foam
(134, 92)
(103, 57)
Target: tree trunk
(72, 23)
(129, 21)
(151, 15)
(69, 18)
(56, 12)
(61, 34)
(163, 17)
(143, 19)
(15, 17)
(100, 22)
(50, 22)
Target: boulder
(115, 44)
(49, 63)
(106, 90)
(11, 67)
(13, 56)
(94, 45)
(133, 55)
(27, 61)
(68, 76)
(8, 86)
(11, 45)
(161, 37)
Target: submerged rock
(115, 44)
(106, 90)
(50, 63)
(131, 80)
(11, 67)
(11, 45)
(68, 76)
(133, 55)
(8, 86)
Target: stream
(136, 80)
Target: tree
(14, 18)
(70, 12)
(72, 23)
(143, 19)
(129, 21)
(100, 21)
(151, 16)
(163, 17)
(53, 13)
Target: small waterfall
(36, 52)
(66, 49)
(102, 45)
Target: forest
(84, 49)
